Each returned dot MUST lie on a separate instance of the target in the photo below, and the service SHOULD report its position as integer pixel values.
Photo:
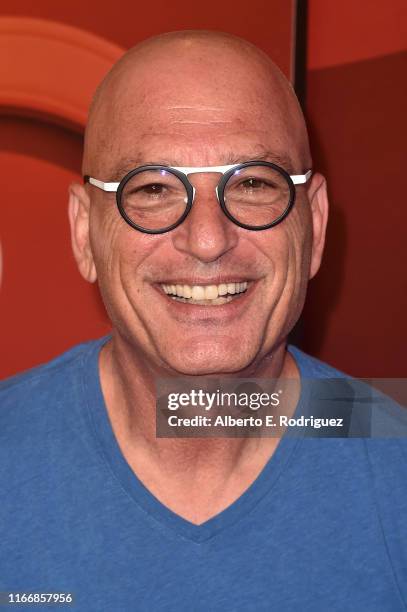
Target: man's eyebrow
(127, 164)
(124, 166)
(280, 159)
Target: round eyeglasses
(154, 199)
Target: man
(196, 282)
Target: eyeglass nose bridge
(194, 192)
(206, 170)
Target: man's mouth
(205, 295)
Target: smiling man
(202, 221)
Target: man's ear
(318, 199)
(78, 211)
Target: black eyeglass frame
(190, 190)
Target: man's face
(230, 118)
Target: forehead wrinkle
(201, 122)
(197, 108)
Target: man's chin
(205, 362)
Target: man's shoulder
(375, 415)
(44, 424)
(46, 380)
(311, 367)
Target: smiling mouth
(205, 295)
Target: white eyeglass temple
(297, 179)
(300, 179)
(102, 185)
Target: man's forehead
(137, 142)
(199, 104)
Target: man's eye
(153, 189)
(150, 190)
(253, 183)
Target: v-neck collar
(131, 484)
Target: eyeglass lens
(154, 199)
(254, 196)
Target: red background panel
(348, 31)
(125, 22)
(355, 314)
(45, 305)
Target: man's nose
(206, 233)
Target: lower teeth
(217, 302)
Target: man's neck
(196, 478)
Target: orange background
(355, 313)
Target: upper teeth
(208, 292)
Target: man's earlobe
(318, 199)
(78, 211)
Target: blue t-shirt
(323, 527)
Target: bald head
(195, 85)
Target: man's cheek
(114, 242)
